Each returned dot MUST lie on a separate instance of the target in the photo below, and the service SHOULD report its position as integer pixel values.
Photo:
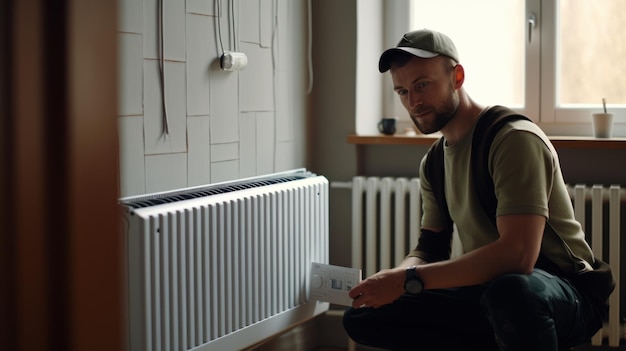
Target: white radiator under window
(386, 215)
(224, 266)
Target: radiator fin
(386, 214)
(604, 228)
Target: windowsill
(558, 141)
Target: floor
(324, 333)
(600, 348)
(582, 348)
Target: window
(552, 60)
(590, 58)
(493, 59)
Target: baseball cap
(424, 43)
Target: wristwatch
(413, 284)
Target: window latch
(532, 22)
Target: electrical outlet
(233, 61)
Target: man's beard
(443, 115)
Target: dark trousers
(536, 312)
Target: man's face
(426, 88)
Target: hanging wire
(274, 96)
(231, 5)
(310, 47)
(219, 23)
(274, 29)
(166, 123)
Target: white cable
(232, 22)
(273, 45)
(274, 27)
(310, 46)
(219, 23)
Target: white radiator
(224, 266)
(386, 215)
(603, 227)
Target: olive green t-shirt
(527, 180)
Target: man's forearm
(412, 261)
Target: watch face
(413, 286)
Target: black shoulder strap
(485, 131)
(435, 173)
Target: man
(523, 284)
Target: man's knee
(518, 291)
(515, 302)
(357, 323)
(517, 307)
(348, 320)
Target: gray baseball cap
(424, 43)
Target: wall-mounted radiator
(603, 229)
(384, 213)
(386, 216)
(224, 266)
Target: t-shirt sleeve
(522, 168)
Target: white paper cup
(602, 125)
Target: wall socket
(233, 61)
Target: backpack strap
(485, 131)
(435, 173)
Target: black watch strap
(413, 284)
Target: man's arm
(515, 251)
(387, 285)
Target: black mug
(387, 126)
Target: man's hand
(380, 289)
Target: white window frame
(540, 72)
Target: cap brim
(384, 64)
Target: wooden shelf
(382, 139)
(558, 141)
(588, 142)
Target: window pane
(591, 57)
(489, 35)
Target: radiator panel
(226, 270)
(605, 205)
(386, 220)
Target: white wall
(368, 104)
(223, 125)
